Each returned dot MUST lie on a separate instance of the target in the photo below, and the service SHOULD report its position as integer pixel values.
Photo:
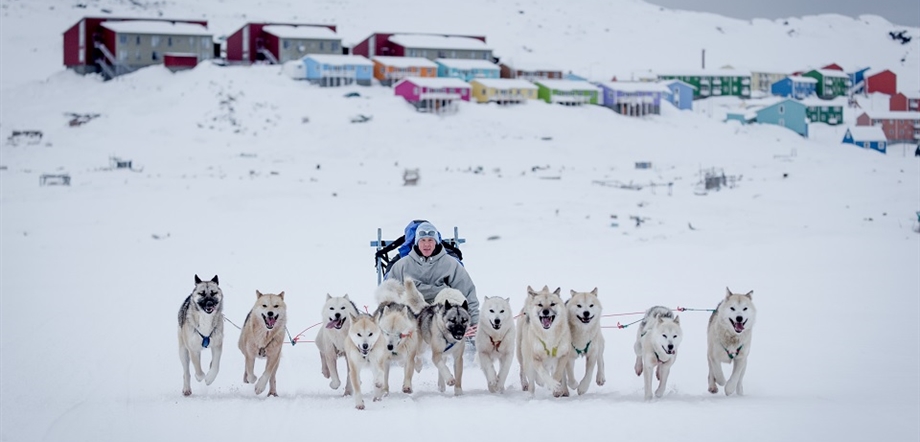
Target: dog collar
(581, 352)
(404, 336)
(205, 340)
(546, 349)
(733, 355)
(495, 345)
(450, 345)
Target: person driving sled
(432, 269)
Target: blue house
(681, 94)
(467, 69)
(795, 86)
(787, 113)
(867, 137)
(338, 70)
(858, 80)
(573, 77)
(634, 99)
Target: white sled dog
(399, 327)
(364, 348)
(584, 312)
(657, 340)
(201, 325)
(262, 336)
(443, 326)
(729, 340)
(545, 342)
(336, 313)
(495, 340)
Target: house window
(122, 54)
(154, 56)
(335, 46)
(168, 41)
(782, 122)
(137, 55)
(453, 54)
(205, 42)
(782, 110)
(442, 54)
(123, 39)
(137, 40)
(415, 91)
(286, 43)
(322, 46)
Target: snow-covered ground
(264, 181)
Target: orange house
(389, 70)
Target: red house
(277, 43)
(904, 103)
(899, 127)
(833, 66)
(884, 81)
(430, 46)
(179, 61)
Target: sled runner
(390, 251)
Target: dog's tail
(413, 298)
(389, 291)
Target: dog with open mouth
(657, 339)
(545, 342)
(495, 341)
(728, 340)
(584, 311)
(330, 340)
(365, 348)
(262, 336)
(201, 326)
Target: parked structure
(867, 137)
(635, 99)
(466, 70)
(389, 70)
(503, 90)
(831, 82)
(795, 86)
(899, 127)
(430, 46)
(714, 83)
(338, 70)
(529, 71)
(277, 43)
(435, 95)
(567, 92)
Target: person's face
(426, 246)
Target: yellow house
(503, 90)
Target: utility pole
(704, 59)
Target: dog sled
(390, 251)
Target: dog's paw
(451, 381)
(407, 390)
(713, 389)
(186, 392)
(582, 389)
(212, 375)
(199, 376)
(260, 386)
(601, 380)
(360, 406)
(273, 393)
(249, 378)
(729, 390)
(334, 384)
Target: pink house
(437, 95)
(899, 127)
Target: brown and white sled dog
(336, 313)
(262, 336)
(201, 326)
(729, 340)
(584, 312)
(364, 348)
(495, 340)
(657, 340)
(442, 326)
(399, 330)
(546, 342)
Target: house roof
(670, 82)
(436, 82)
(340, 60)
(874, 72)
(567, 85)
(301, 32)
(635, 86)
(405, 62)
(801, 79)
(813, 102)
(504, 83)
(867, 133)
(782, 102)
(532, 66)
(708, 73)
(831, 73)
(438, 42)
(892, 115)
(462, 63)
(156, 27)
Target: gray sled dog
(657, 340)
(729, 340)
(262, 336)
(201, 325)
(495, 338)
(443, 326)
(337, 313)
(364, 348)
(584, 312)
(399, 328)
(545, 343)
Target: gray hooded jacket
(434, 273)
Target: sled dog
(442, 326)
(336, 313)
(364, 348)
(729, 340)
(546, 342)
(495, 338)
(262, 337)
(399, 330)
(657, 339)
(201, 325)
(406, 293)
(584, 312)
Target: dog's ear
(660, 320)
(386, 309)
(677, 320)
(485, 298)
(594, 292)
(197, 279)
(508, 300)
(346, 296)
(328, 296)
(748, 294)
(557, 291)
(258, 294)
(545, 288)
(281, 295)
(446, 305)
(572, 293)
(728, 292)
(409, 283)
(530, 291)
(466, 306)
(214, 280)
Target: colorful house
(899, 127)
(116, 46)
(466, 70)
(436, 95)
(795, 86)
(831, 82)
(762, 81)
(714, 83)
(905, 102)
(338, 70)
(823, 111)
(635, 99)
(681, 94)
(567, 92)
(867, 137)
(882, 81)
(278, 43)
(787, 113)
(389, 70)
(430, 46)
(503, 90)
(858, 80)
(529, 71)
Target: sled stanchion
(379, 246)
(293, 342)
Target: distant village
(434, 72)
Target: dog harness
(546, 349)
(495, 345)
(450, 345)
(733, 355)
(205, 340)
(581, 352)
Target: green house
(819, 111)
(831, 83)
(567, 92)
(714, 83)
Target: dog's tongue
(331, 324)
(547, 321)
(271, 321)
(739, 327)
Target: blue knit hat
(426, 230)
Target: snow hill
(244, 173)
